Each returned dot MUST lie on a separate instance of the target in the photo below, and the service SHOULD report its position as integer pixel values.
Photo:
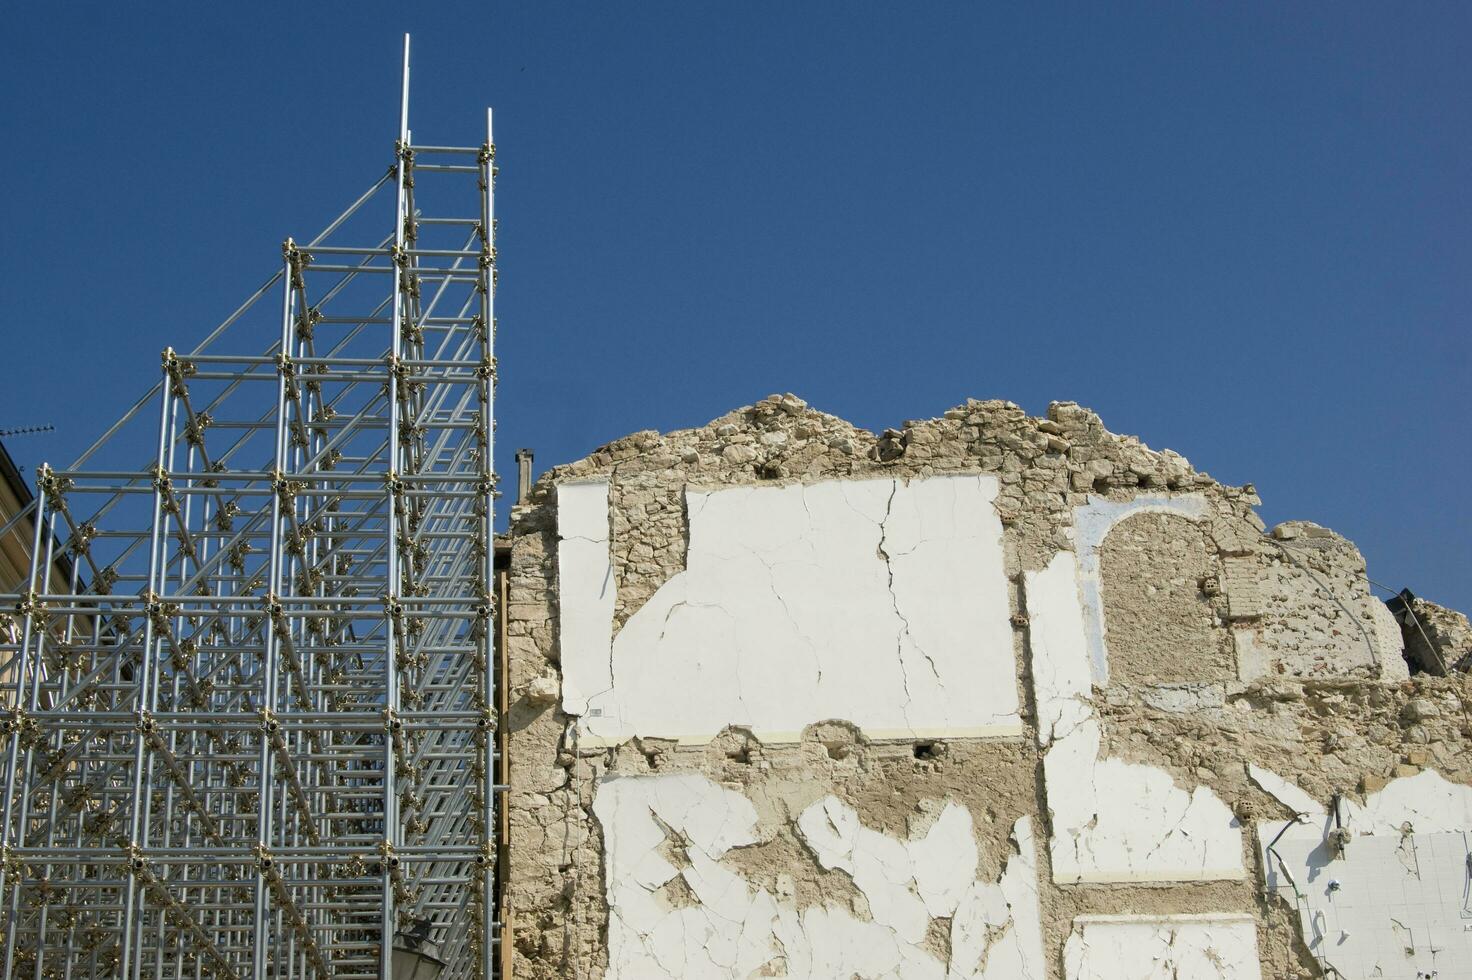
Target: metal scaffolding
(249, 686)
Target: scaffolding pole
(250, 686)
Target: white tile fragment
(1393, 902)
(885, 870)
(646, 936)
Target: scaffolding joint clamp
(16, 721)
(51, 485)
(137, 862)
(161, 482)
(29, 604)
(11, 866)
(296, 263)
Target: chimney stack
(523, 475)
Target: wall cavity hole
(925, 751)
(838, 750)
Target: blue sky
(1240, 231)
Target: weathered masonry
(991, 696)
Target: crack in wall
(906, 886)
(1361, 740)
(795, 544)
(904, 626)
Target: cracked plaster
(803, 603)
(1174, 947)
(1113, 821)
(1286, 793)
(733, 930)
(586, 590)
(1308, 707)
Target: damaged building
(986, 697)
(989, 696)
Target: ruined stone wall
(987, 696)
(1437, 639)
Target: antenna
(27, 430)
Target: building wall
(989, 696)
(15, 541)
(17, 538)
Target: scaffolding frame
(250, 727)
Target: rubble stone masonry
(985, 696)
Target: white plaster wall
(648, 935)
(1177, 947)
(1061, 679)
(1395, 901)
(1113, 821)
(879, 602)
(996, 932)
(1426, 803)
(585, 592)
(1286, 793)
(1117, 821)
(659, 828)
